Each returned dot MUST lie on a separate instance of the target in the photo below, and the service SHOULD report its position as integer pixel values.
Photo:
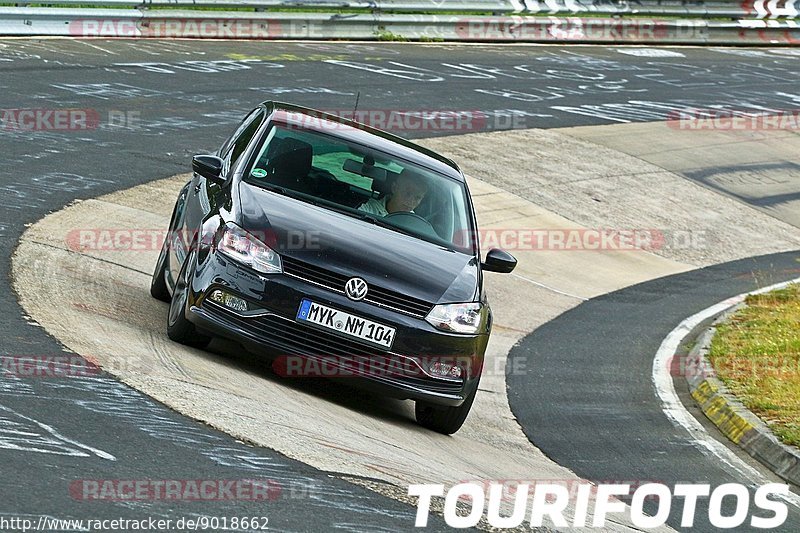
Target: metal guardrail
(513, 22)
(761, 9)
(418, 6)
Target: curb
(730, 416)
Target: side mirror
(498, 260)
(209, 166)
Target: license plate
(346, 324)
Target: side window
(226, 146)
(232, 150)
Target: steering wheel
(411, 221)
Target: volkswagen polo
(334, 249)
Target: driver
(407, 192)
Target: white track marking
(648, 52)
(677, 413)
(53, 433)
(109, 52)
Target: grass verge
(756, 353)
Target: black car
(335, 249)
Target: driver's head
(408, 190)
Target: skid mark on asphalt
(542, 285)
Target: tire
(443, 419)
(158, 285)
(178, 328)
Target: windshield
(364, 183)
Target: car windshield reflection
(361, 182)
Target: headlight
(459, 318)
(243, 247)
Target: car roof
(357, 132)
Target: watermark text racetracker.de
(734, 120)
(696, 366)
(174, 489)
(149, 240)
(211, 28)
(584, 239)
(515, 28)
(405, 366)
(592, 505)
(404, 120)
(60, 366)
(48, 366)
(65, 119)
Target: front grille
(376, 295)
(291, 338)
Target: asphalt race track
(609, 420)
(158, 103)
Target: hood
(352, 247)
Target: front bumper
(270, 328)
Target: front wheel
(179, 329)
(443, 419)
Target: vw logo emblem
(356, 289)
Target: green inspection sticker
(258, 172)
